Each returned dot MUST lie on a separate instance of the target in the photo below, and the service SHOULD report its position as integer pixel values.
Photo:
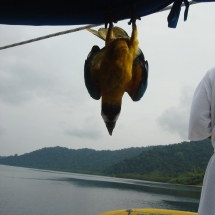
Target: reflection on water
(160, 188)
(26, 191)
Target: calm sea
(36, 192)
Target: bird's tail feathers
(102, 32)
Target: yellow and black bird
(117, 68)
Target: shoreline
(94, 174)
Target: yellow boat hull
(147, 211)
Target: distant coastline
(183, 163)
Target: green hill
(171, 163)
(64, 159)
(183, 163)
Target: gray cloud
(45, 69)
(2, 131)
(175, 119)
(90, 130)
(84, 134)
(19, 84)
(25, 78)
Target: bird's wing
(91, 67)
(102, 32)
(119, 32)
(139, 81)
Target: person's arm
(200, 116)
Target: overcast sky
(44, 102)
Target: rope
(69, 31)
(49, 36)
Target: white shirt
(202, 113)
(201, 126)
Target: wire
(49, 36)
(69, 31)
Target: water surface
(36, 192)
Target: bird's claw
(133, 21)
(133, 17)
(109, 23)
(110, 19)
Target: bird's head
(110, 114)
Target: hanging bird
(117, 68)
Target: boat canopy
(79, 12)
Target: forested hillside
(64, 159)
(164, 163)
(183, 163)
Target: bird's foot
(108, 24)
(133, 17)
(110, 19)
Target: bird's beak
(110, 126)
(110, 115)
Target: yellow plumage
(117, 68)
(114, 74)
